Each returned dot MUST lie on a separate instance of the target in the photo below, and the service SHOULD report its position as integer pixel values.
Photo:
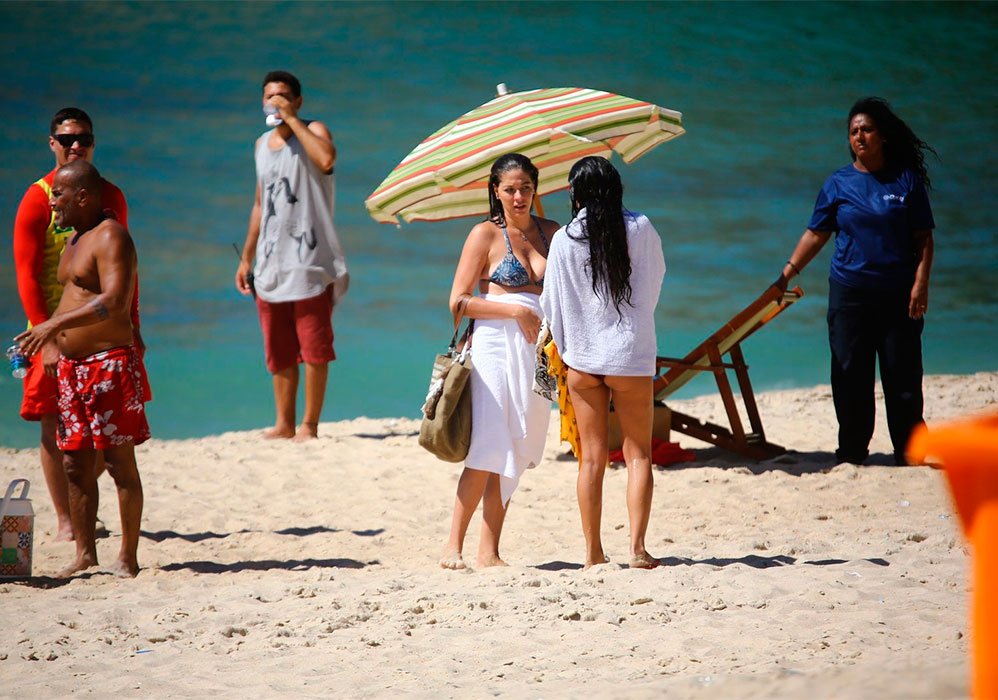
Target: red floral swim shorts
(102, 400)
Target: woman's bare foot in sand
(81, 563)
(122, 569)
(452, 559)
(490, 560)
(597, 561)
(643, 561)
(307, 431)
(278, 432)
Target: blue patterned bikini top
(510, 272)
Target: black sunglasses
(67, 140)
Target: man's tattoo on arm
(102, 312)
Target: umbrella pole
(539, 207)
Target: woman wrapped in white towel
(505, 257)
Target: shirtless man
(100, 374)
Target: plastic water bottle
(273, 116)
(18, 362)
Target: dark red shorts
(41, 392)
(102, 400)
(297, 331)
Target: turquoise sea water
(174, 91)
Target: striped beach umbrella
(446, 176)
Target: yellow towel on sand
(569, 428)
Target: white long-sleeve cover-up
(509, 422)
(589, 332)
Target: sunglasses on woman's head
(67, 140)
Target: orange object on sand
(968, 451)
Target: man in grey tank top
(300, 271)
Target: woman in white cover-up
(603, 280)
(505, 256)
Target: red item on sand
(663, 453)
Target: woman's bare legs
(632, 402)
(493, 516)
(591, 400)
(470, 488)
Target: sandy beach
(310, 570)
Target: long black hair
(901, 146)
(503, 164)
(595, 185)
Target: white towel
(509, 421)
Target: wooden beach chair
(709, 356)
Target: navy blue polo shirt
(874, 217)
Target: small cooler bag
(17, 524)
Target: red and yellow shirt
(38, 245)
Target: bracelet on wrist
(796, 269)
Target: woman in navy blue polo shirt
(879, 211)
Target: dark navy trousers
(862, 327)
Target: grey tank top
(298, 253)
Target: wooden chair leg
(727, 396)
(718, 435)
(745, 386)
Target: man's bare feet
(278, 432)
(490, 560)
(307, 431)
(100, 530)
(65, 532)
(452, 559)
(643, 561)
(80, 564)
(122, 569)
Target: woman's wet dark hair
(503, 164)
(594, 184)
(901, 146)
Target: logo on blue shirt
(899, 198)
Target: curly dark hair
(594, 184)
(901, 146)
(504, 164)
(282, 76)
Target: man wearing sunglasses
(38, 246)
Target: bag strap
(462, 304)
(10, 494)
